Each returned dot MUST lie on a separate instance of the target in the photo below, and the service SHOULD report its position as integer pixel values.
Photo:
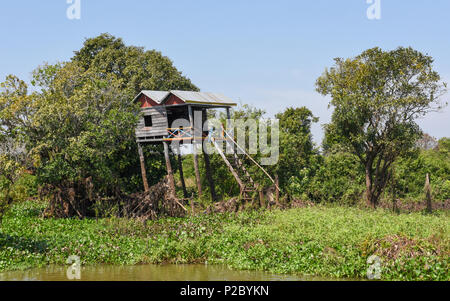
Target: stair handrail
(228, 136)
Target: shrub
(339, 179)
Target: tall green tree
(78, 127)
(13, 116)
(137, 69)
(377, 97)
(297, 149)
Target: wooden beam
(143, 171)
(230, 167)
(194, 147)
(169, 168)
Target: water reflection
(151, 273)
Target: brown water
(151, 273)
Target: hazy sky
(265, 53)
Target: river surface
(151, 273)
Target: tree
(427, 142)
(10, 172)
(411, 170)
(13, 115)
(336, 179)
(78, 128)
(377, 97)
(296, 147)
(136, 68)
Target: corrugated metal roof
(189, 97)
(157, 96)
(203, 97)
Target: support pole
(230, 146)
(180, 169)
(208, 167)
(262, 203)
(194, 147)
(143, 172)
(169, 168)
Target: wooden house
(161, 108)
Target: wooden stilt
(208, 166)
(262, 202)
(180, 169)
(169, 167)
(194, 144)
(197, 173)
(143, 171)
(231, 145)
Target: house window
(148, 121)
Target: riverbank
(322, 241)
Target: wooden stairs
(248, 186)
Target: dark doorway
(148, 121)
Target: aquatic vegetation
(321, 240)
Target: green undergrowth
(322, 241)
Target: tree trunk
(369, 191)
(143, 171)
(377, 177)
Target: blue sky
(265, 53)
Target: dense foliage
(71, 141)
(377, 96)
(297, 151)
(326, 241)
(410, 172)
(76, 131)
